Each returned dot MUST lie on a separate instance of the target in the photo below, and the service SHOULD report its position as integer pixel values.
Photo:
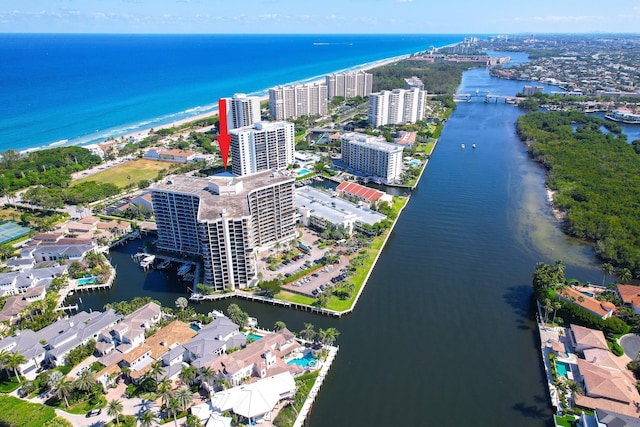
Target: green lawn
(16, 412)
(564, 421)
(137, 170)
(358, 277)
(7, 386)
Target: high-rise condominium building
(396, 107)
(293, 101)
(262, 146)
(242, 110)
(372, 156)
(225, 220)
(413, 82)
(349, 84)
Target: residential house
(261, 358)
(584, 338)
(57, 252)
(213, 340)
(364, 194)
(602, 309)
(630, 296)
(175, 156)
(613, 419)
(15, 304)
(140, 358)
(27, 343)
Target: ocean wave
(61, 142)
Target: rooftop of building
(371, 141)
(334, 209)
(213, 205)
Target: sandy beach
(140, 134)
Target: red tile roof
(366, 193)
(591, 304)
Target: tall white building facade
(263, 146)
(372, 155)
(242, 110)
(294, 101)
(398, 106)
(225, 220)
(349, 84)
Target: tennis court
(10, 230)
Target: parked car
(94, 412)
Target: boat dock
(75, 285)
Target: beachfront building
(225, 220)
(262, 146)
(290, 102)
(349, 84)
(242, 110)
(398, 106)
(602, 309)
(372, 156)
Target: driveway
(630, 343)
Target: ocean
(64, 89)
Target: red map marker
(224, 139)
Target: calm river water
(444, 333)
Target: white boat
(473, 146)
(461, 145)
(214, 314)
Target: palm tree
(63, 391)
(4, 357)
(182, 303)
(625, 275)
(125, 370)
(308, 333)
(546, 304)
(607, 270)
(330, 336)
(173, 406)
(86, 379)
(156, 369)
(556, 305)
(279, 325)
(207, 375)
(184, 397)
(147, 418)
(188, 375)
(114, 409)
(164, 390)
(14, 361)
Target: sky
(320, 16)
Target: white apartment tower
(294, 101)
(242, 110)
(262, 146)
(349, 84)
(372, 156)
(225, 220)
(398, 106)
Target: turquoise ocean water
(79, 89)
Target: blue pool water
(562, 369)
(589, 294)
(86, 280)
(253, 337)
(194, 327)
(303, 172)
(306, 361)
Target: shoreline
(146, 125)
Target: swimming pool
(194, 327)
(306, 361)
(589, 294)
(303, 172)
(563, 368)
(86, 280)
(253, 337)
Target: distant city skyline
(321, 17)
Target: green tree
(86, 380)
(625, 275)
(173, 407)
(64, 389)
(114, 409)
(148, 418)
(14, 360)
(308, 333)
(207, 375)
(188, 375)
(607, 270)
(182, 303)
(237, 316)
(279, 325)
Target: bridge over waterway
(486, 97)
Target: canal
(444, 333)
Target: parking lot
(315, 281)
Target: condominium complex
(226, 220)
(413, 82)
(398, 106)
(242, 110)
(298, 100)
(262, 146)
(372, 156)
(349, 84)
